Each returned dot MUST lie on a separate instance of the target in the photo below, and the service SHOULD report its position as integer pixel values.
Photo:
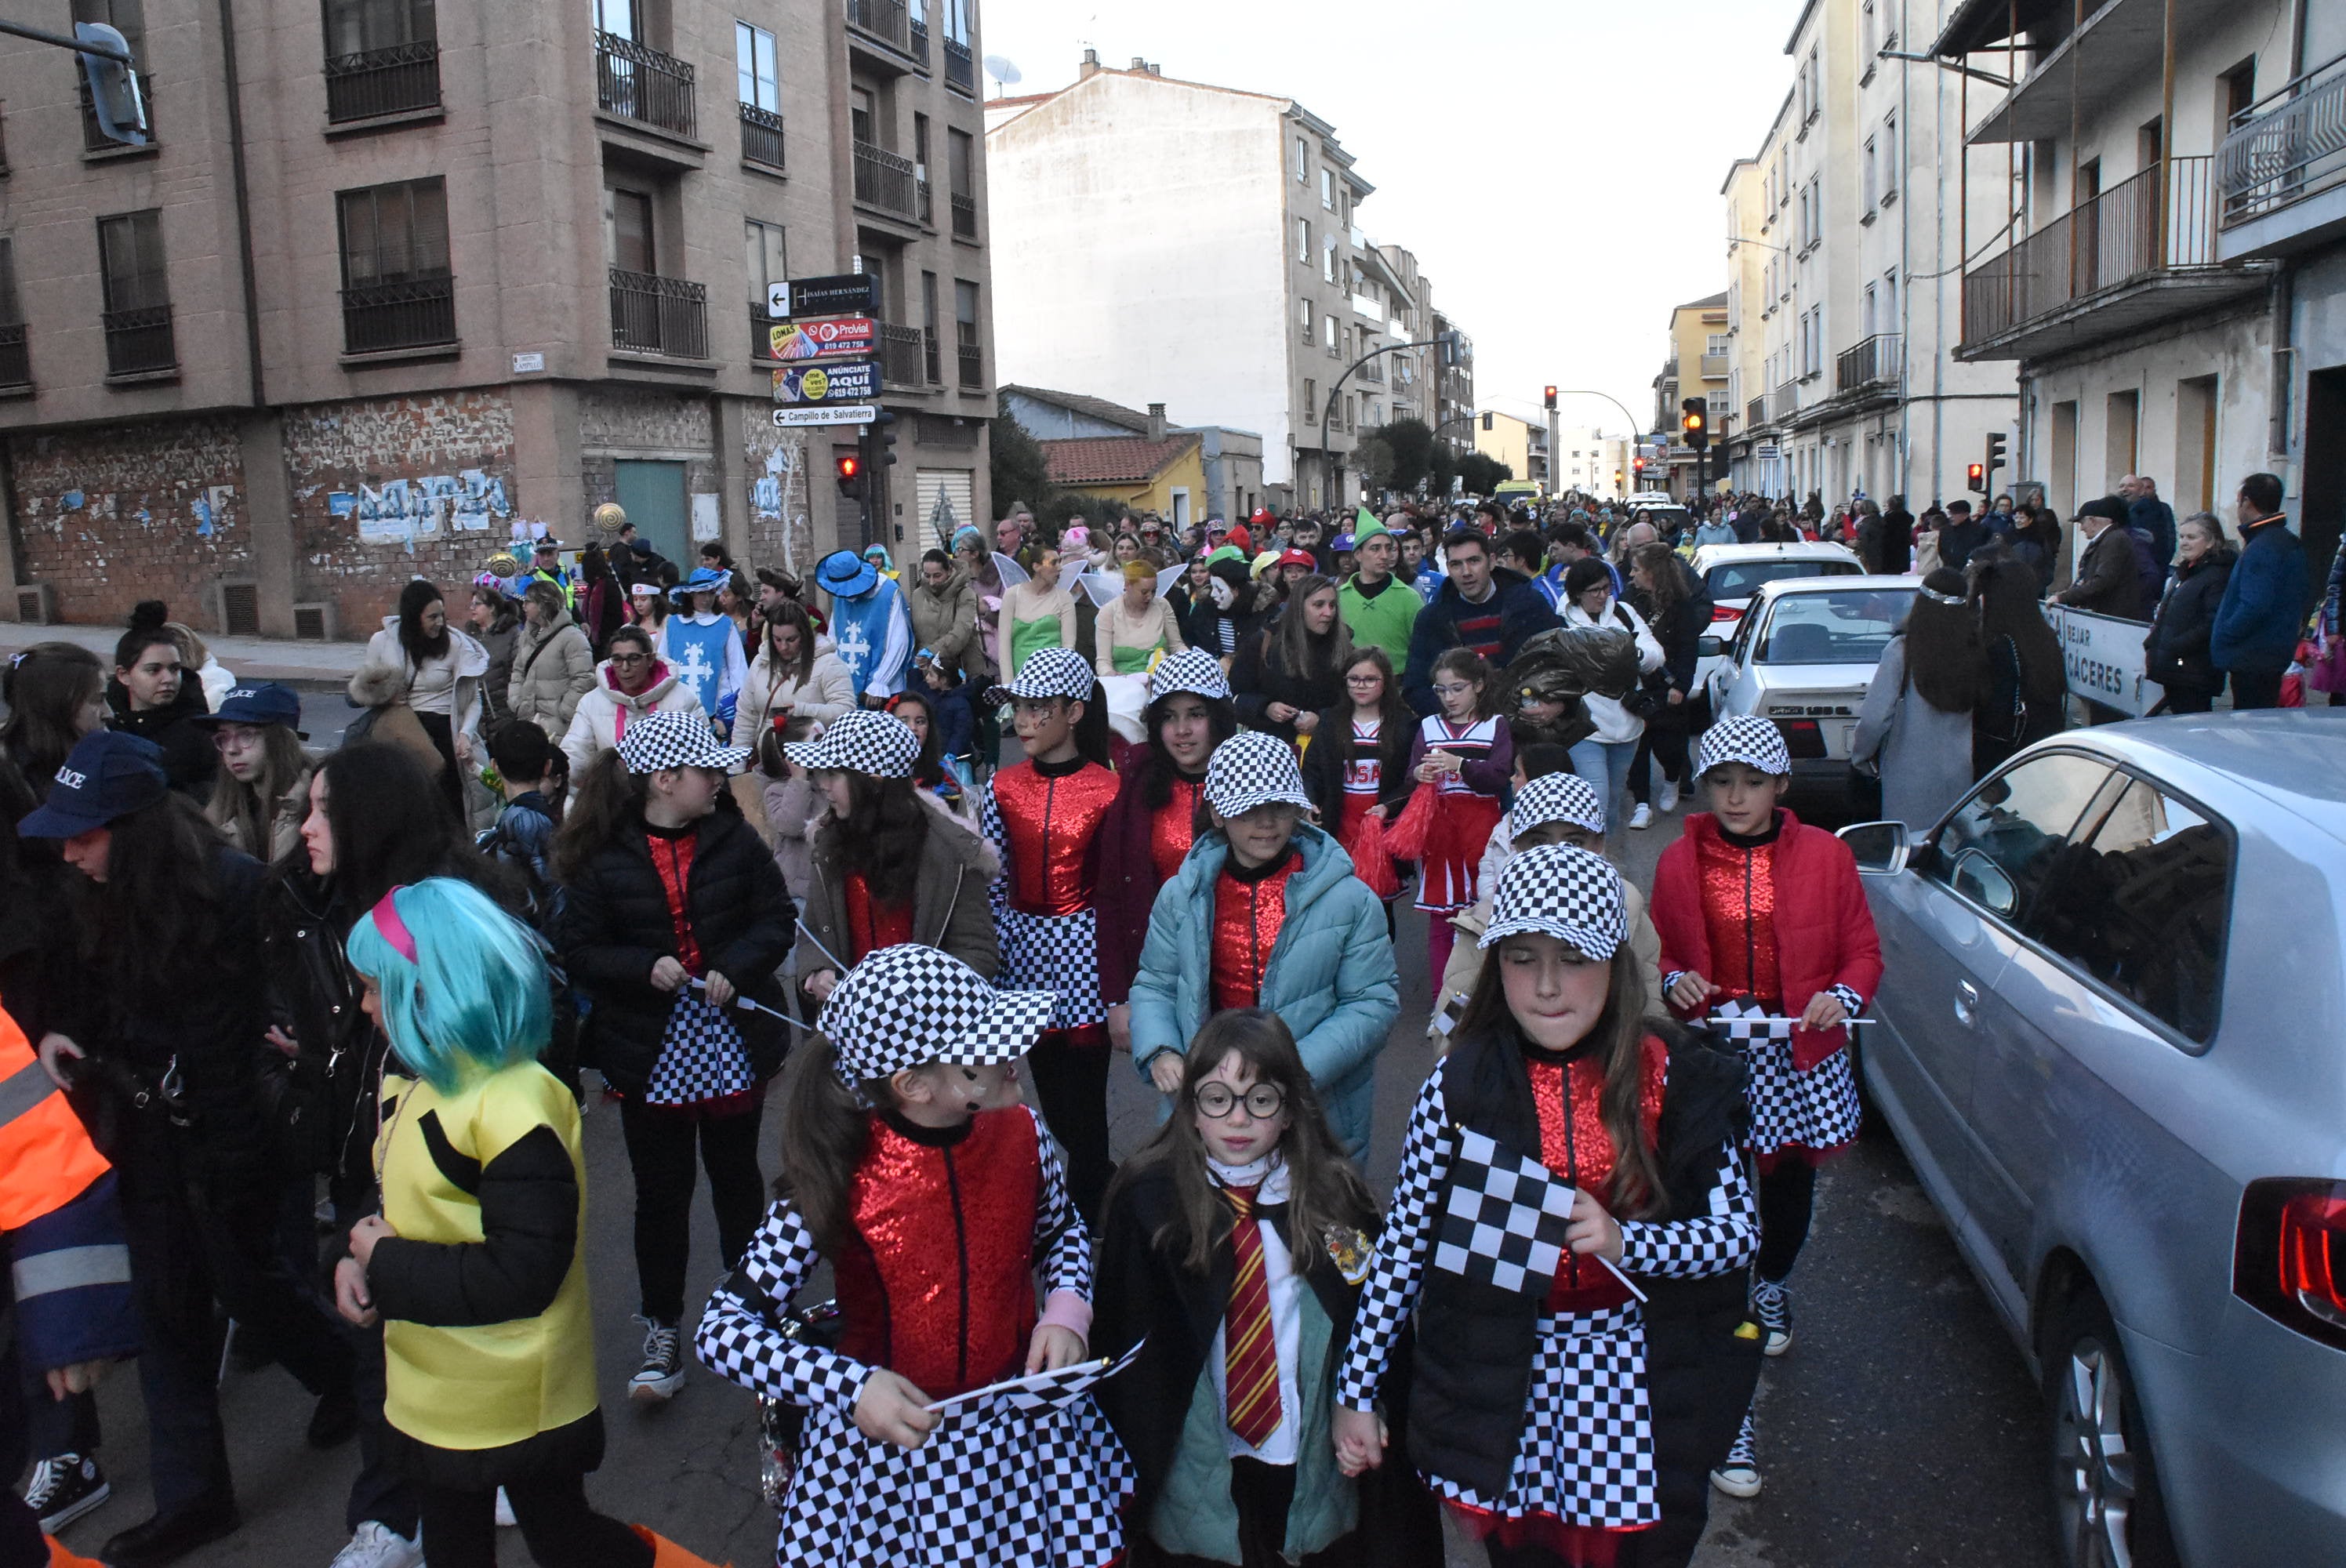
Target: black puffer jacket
(614, 927)
(189, 759)
(1260, 676)
(2175, 654)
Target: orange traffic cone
(667, 1554)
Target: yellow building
(1517, 442)
(1698, 367)
(1166, 475)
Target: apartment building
(1587, 459)
(1698, 367)
(393, 276)
(1844, 290)
(1520, 444)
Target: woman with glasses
(632, 682)
(262, 791)
(1266, 913)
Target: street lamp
(1445, 342)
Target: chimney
(1155, 69)
(1138, 64)
(1091, 62)
(1157, 421)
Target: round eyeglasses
(1263, 1102)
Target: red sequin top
(1248, 909)
(874, 924)
(671, 854)
(1052, 818)
(1575, 1145)
(1173, 828)
(1739, 913)
(937, 1276)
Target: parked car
(2109, 1038)
(1803, 656)
(1731, 573)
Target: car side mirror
(1882, 849)
(1708, 648)
(1978, 878)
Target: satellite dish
(1003, 71)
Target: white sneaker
(1669, 797)
(505, 1519)
(1740, 1475)
(662, 1373)
(1643, 817)
(378, 1546)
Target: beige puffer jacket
(552, 669)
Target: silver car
(2109, 1039)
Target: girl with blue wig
(474, 1263)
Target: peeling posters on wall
(402, 511)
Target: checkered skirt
(1810, 1113)
(993, 1486)
(1057, 953)
(701, 1056)
(1586, 1456)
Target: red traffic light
(1548, 397)
(850, 466)
(1975, 477)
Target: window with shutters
(136, 294)
(973, 359)
(398, 291)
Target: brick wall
(117, 513)
(780, 484)
(388, 489)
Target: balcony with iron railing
(761, 136)
(139, 342)
(2141, 252)
(636, 82)
(931, 357)
(656, 315)
(2282, 166)
(903, 358)
(412, 313)
(923, 198)
(972, 362)
(401, 78)
(15, 358)
(889, 21)
(1871, 364)
(961, 71)
(884, 182)
(964, 217)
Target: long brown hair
(1324, 1192)
(46, 688)
(1302, 655)
(251, 809)
(1946, 661)
(790, 612)
(1618, 1041)
(825, 1131)
(882, 836)
(607, 800)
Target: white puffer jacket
(604, 711)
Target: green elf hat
(1367, 528)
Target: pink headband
(393, 930)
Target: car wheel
(2105, 1501)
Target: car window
(1999, 848)
(1851, 627)
(1741, 579)
(2143, 905)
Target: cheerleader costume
(1584, 1466)
(1361, 835)
(1465, 807)
(936, 1282)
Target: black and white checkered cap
(1746, 738)
(1052, 672)
(657, 740)
(1192, 670)
(1573, 895)
(862, 741)
(1253, 768)
(1555, 798)
(909, 1005)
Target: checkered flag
(1740, 1021)
(1504, 1220)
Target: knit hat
(1193, 670)
(1253, 768)
(1555, 798)
(1573, 895)
(1746, 738)
(909, 1005)
(657, 740)
(860, 740)
(1051, 672)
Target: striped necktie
(1250, 1364)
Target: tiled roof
(1098, 408)
(1113, 459)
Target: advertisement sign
(2103, 655)
(842, 294)
(841, 381)
(844, 337)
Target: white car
(1802, 655)
(1731, 573)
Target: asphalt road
(1902, 1428)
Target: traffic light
(1694, 421)
(1548, 396)
(883, 445)
(1995, 457)
(115, 101)
(850, 475)
(1975, 478)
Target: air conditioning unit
(37, 603)
(316, 623)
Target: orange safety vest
(47, 1159)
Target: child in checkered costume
(909, 1164)
(1562, 1418)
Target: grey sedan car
(2112, 1039)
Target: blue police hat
(258, 702)
(107, 775)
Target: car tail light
(2290, 1259)
(1726, 613)
(1803, 737)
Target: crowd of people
(302, 1038)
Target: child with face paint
(909, 1163)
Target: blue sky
(1555, 164)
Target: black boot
(168, 1537)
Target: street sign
(797, 418)
(823, 339)
(844, 294)
(839, 381)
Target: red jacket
(1824, 931)
(1128, 881)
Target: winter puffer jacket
(552, 669)
(828, 691)
(2175, 653)
(614, 926)
(944, 620)
(189, 759)
(604, 711)
(1331, 975)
